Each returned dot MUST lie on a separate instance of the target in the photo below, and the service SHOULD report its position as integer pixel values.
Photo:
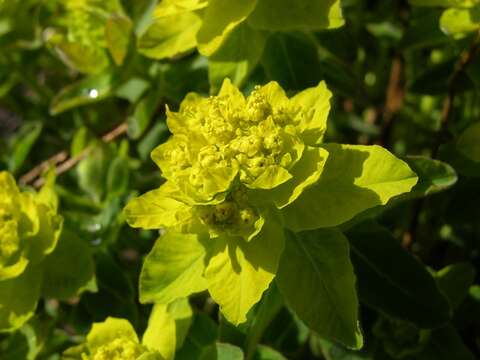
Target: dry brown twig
(63, 163)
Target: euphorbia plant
(245, 177)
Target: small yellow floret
(119, 349)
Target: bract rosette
(239, 171)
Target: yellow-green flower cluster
(240, 170)
(29, 228)
(228, 151)
(29, 231)
(113, 339)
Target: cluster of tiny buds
(232, 214)
(9, 241)
(120, 348)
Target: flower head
(228, 140)
(29, 228)
(231, 157)
(240, 170)
(113, 339)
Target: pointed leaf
(468, 143)
(221, 17)
(239, 272)
(69, 269)
(19, 297)
(317, 281)
(174, 268)
(384, 267)
(303, 15)
(355, 178)
(165, 324)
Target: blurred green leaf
(237, 56)
(284, 15)
(144, 111)
(117, 34)
(221, 351)
(292, 60)
(394, 282)
(459, 22)
(266, 353)
(433, 175)
(202, 335)
(170, 34)
(454, 281)
(22, 144)
(69, 269)
(86, 91)
(468, 143)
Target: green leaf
(19, 298)
(237, 57)
(463, 165)
(23, 142)
(239, 272)
(22, 344)
(221, 351)
(355, 178)
(459, 22)
(118, 30)
(69, 269)
(203, 333)
(455, 281)
(170, 35)
(446, 344)
(292, 60)
(302, 15)
(468, 143)
(221, 17)
(407, 289)
(139, 121)
(317, 281)
(174, 268)
(92, 170)
(156, 209)
(262, 317)
(166, 324)
(267, 353)
(334, 351)
(117, 177)
(444, 3)
(433, 175)
(83, 58)
(87, 91)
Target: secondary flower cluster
(29, 230)
(113, 339)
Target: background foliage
(83, 88)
